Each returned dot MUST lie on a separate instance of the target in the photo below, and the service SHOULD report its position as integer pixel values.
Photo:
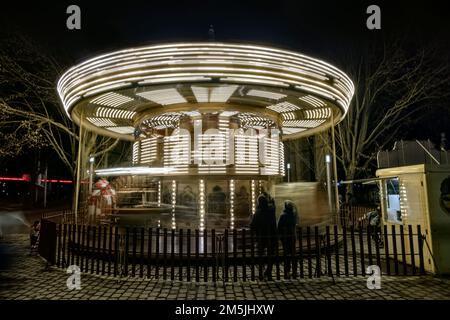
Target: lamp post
(91, 173)
(330, 196)
(289, 172)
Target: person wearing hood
(264, 225)
(287, 224)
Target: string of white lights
(253, 195)
(203, 61)
(202, 208)
(232, 193)
(174, 203)
(159, 193)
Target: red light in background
(11, 179)
(26, 177)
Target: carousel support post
(336, 191)
(78, 184)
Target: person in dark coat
(264, 225)
(287, 224)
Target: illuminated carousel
(206, 122)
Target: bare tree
(391, 89)
(30, 112)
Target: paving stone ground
(28, 279)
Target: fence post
(127, 247)
(60, 231)
(336, 248)
(64, 259)
(252, 253)
(180, 254)
(235, 255)
(318, 251)
(94, 242)
(352, 235)
(83, 248)
(369, 245)
(99, 243)
(188, 248)
(165, 254)
(300, 249)
(109, 249)
(386, 250)
(205, 255)
(104, 250)
(225, 250)
(420, 241)
(133, 252)
(89, 249)
(293, 257)
(172, 255)
(361, 248)
(377, 250)
(213, 255)
(328, 243)
(346, 256)
(308, 246)
(411, 246)
(394, 247)
(157, 243)
(244, 249)
(116, 250)
(141, 260)
(197, 259)
(78, 245)
(276, 250)
(402, 244)
(149, 251)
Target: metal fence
(353, 215)
(238, 255)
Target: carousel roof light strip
(137, 80)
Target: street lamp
(328, 165)
(289, 172)
(91, 173)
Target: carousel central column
(78, 185)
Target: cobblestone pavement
(29, 279)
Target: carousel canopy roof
(113, 94)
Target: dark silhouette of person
(166, 196)
(264, 225)
(242, 208)
(34, 234)
(287, 233)
(188, 197)
(374, 219)
(216, 201)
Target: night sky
(319, 28)
(324, 29)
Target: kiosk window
(393, 201)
